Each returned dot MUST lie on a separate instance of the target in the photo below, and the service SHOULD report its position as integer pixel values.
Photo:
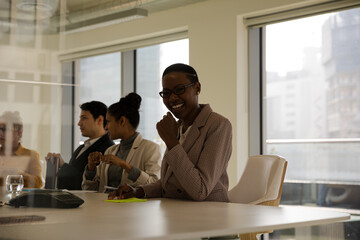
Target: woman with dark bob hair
(198, 144)
(135, 161)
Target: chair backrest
(261, 182)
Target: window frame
(257, 110)
(71, 62)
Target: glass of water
(14, 183)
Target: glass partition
(31, 81)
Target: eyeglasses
(180, 89)
(14, 128)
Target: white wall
(218, 52)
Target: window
(100, 78)
(151, 62)
(310, 57)
(311, 108)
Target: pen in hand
(132, 188)
(127, 191)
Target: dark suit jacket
(70, 175)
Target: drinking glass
(14, 183)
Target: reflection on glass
(30, 72)
(14, 158)
(151, 61)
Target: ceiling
(49, 15)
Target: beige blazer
(196, 170)
(144, 154)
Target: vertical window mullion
(129, 72)
(67, 109)
(255, 91)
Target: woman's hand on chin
(168, 129)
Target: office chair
(261, 184)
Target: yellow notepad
(127, 200)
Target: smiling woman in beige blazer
(135, 161)
(198, 145)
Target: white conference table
(157, 219)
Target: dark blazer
(70, 174)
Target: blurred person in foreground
(198, 144)
(11, 131)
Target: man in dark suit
(92, 125)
